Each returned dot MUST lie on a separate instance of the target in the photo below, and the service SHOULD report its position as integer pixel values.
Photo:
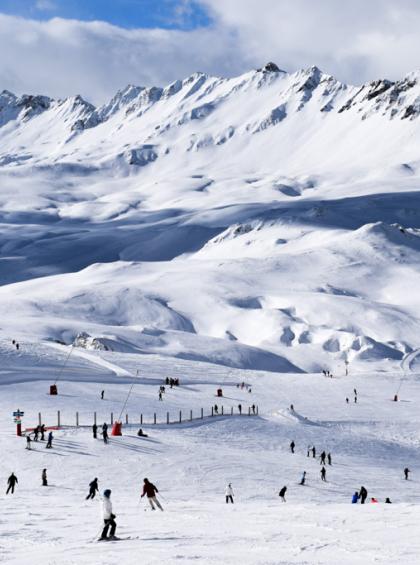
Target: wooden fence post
(249, 410)
(180, 416)
(257, 410)
(167, 417)
(202, 413)
(58, 419)
(39, 418)
(112, 418)
(212, 410)
(190, 415)
(94, 418)
(77, 419)
(126, 418)
(154, 418)
(231, 410)
(222, 410)
(141, 419)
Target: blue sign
(18, 414)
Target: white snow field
(261, 228)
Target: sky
(95, 47)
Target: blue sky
(167, 14)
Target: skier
(105, 432)
(292, 408)
(363, 495)
(42, 430)
(309, 450)
(292, 446)
(108, 516)
(28, 442)
(216, 409)
(44, 478)
(313, 452)
(36, 432)
(355, 498)
(167, 380)
(282, 494)
(150, 490)
(240, 408)
(11, 481)
(355, 392)
(303, 479)
(323, 474)
(329, 459)
(322, 458)
(160, 395)
(93, 489)
(49, 441)
(95, 431)
(17, 346)
(406, 471)
(253, 408)
(355, 399)
(347, 400)
(229, 493)
(102, 394)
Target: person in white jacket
(229, 493)
(108, 516)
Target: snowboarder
(355, 498)
(282, 494)
(388, 501)
(303, 479)
(329, 459)
(108, 516)
(150, 490)
(363, 495)
(44, 478)
(105, 432)
(93, 489)
(240, 408)
(140, 433)
(11, 481)
(229, 494)
(322, 458)
(323, 474)
(406, 471)
(28, 441)
(102, 394)
(292, 446)
(95, 431)
(49, 440)
(42, 430)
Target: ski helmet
(107, 493)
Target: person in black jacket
(363, 495)
(282, 494)
(93, 489)
(11, 481)
(44, 478)
(95, 431)
(292, 446)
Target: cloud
(355, 41)
(45, 5)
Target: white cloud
(356, 41)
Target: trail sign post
(17, 418)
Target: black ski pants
(110, 523)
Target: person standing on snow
(314, 452)
(363, 495)
(282, 494)
(93, 489)
(229, 494)
(323, 474)
(95, 431)
(28, 441)
(150, 490)
(292, 446)
(49, 440)
(355, 498)
(44, 478)
(108, 517)
(11, 481)
(329, 459)
(406, 471)
(105, 432)
(42, 430)
(303, 479)
(240, 408)
(322, 458)
(102, 394)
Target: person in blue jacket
(355, 498)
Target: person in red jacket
(150, 491)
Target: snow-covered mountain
(268, 221)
